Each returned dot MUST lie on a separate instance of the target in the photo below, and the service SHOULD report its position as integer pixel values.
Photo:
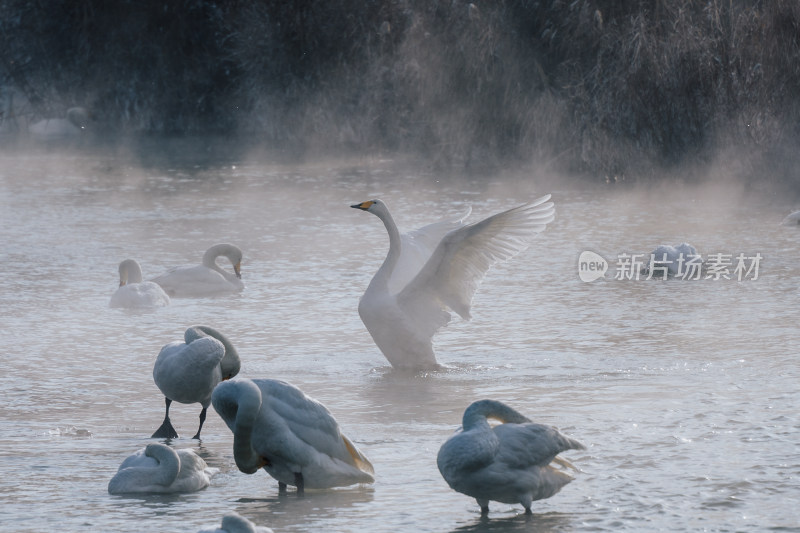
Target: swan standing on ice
(133, 292)
(159, 468)
(293, 437)
(508, 463)
(435, 268)
(187, 372)
(208, 279)
(235, 523)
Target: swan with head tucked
(135, 293)
(293, 437)
(187, 372)
(436, 268)
(508, 463)
(679, 261)
(159, 468)
(236, 523)
(207, 279)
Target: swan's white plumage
(792, 219)
(673, 258)
(187, 371)
(135, 293)
(159, 468)
(235, 523)
(277, 427)
(408, 299)
(206, 279)
(508, 463)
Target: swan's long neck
(129, 272)
(478, 412)
(169, 464)
(230, 363)
(381, 278)
(249, 404)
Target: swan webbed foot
(298, 482)
(166, 431)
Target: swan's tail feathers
(359, 459)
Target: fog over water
(684, 392)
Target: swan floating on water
(207, 279)
(508, 463)
(135, 293)
(676, 259)
(792, 219)
(159, 468)
(236, 523)
(188, 371)
(437, 267)
(293, 437)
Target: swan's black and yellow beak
(237, 269)
(363, 205)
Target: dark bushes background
(600, 86)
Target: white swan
(435, 268)
(133, 292)
(677, 260)
(187, 372)
(293, 437)
(792, 219)
(236, 523)
(159, 468)
(207, 279)
(508, 463)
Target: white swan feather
(235, 523)
(293, 437)
(403, 316)
(206, 279)
(159, 468)
(135, 293)
(510, 462)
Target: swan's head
(376, 207)
(129, 272)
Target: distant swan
(235, 523)
(133, 292)
(508, 463)
(187, 372)
(293, 437)
(681, 260)
(435, 268)
(207, 279)
(159, 468)
(792, 219)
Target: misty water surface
(684, 392)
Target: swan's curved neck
(169, 464)
(249, 404)
(230, 363)
(381, 277)
(129, 272)
(477, 414)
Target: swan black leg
(202, 419)
(281, 487)
(298, 482)
(166, 431)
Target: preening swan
(436, 268)
(508, 463)
(236, 523)
(293, 437)
(133, 292)
(208, 279)
(187, 372)
(159, 468)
